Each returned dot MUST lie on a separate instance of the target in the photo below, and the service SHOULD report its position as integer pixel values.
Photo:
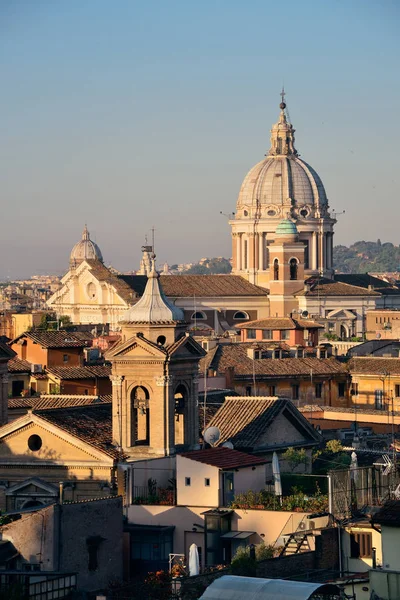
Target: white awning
(230, 587)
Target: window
(361, 545)
(53, 388)
(354, 389)
(318, 390)
(276, 269)
(285, 335)
(277, 353)
(251, 334)
(34, 442)
(300, 352)
(293, 268)
(295, 392)
(322, 353)
(341, 389)
(187, 481)
(378, 399)
(245, 254)
(93, 544)
(65, 358)
(397, 390)
(306, 255)
(248, 390)
(240, 315)
(271, 390)
(198, 316)
(257, 354)
(267, 334)
(207, 482)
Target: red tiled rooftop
(224, 458)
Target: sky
(127, 115)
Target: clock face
(91, 290)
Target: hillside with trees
(363, 257)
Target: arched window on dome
(240, 315)
(293, 266)
(198, 315)
(140, 427)
(276, 269)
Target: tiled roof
(244, 420)
(214, 401)
(226, 356)
(389, 514)
(224, 458)
(53, 339)
(17, 365)
(188, 286)
(365, 280)
(56, 401)
(5, 352)
(375, 365)
(91, 424)
(280, 323)
(89, 372)
(327, 287)
(309, 408)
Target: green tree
(295, 457)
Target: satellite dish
(304, 313)
(378, 336)
(227, 445)
(212, 435)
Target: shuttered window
(361, 545)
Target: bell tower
(155, 378)
(286, 269)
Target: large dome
(282, 182)
(282, 179)
(85, 249)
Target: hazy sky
(126, 114)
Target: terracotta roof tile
(89, 372)
(244, 420)
(187, 286)
(56, 401)
(327, 287)
(53, 339)
(226, 356)
(374, 365)
(224, 458)
(92, 424)
(280, 323)
(17, 365)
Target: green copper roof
(286, 227)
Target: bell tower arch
(155, 378)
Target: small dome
(85, 249)
(286, 227)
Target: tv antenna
(337, 214)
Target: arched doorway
(180, 414)
(344, 332)
(140, 427)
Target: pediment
(31, 439)
(341, 313)
(33, 485)
(134, 348)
